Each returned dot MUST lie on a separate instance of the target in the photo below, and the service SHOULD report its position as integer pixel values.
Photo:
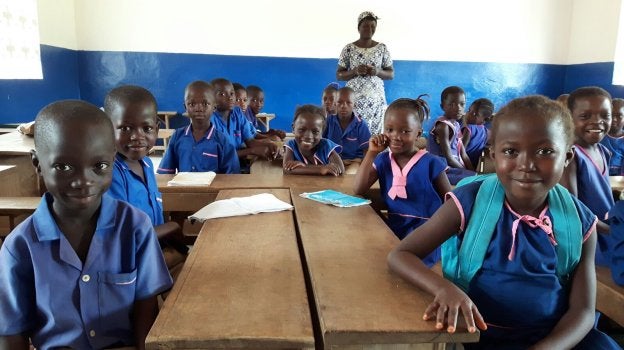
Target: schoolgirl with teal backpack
(517, 249)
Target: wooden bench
(241, 287)
(359, 303)
(13, 207)
(609, 296)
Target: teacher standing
(365, 64)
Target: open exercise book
(260, 203)
(336, 198)
(192, 179)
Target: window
(19, 43)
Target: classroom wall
(290, 48)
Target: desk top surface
(358, 300)
(242, 286)
(15, 143)
(609, 296)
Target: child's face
(617, 122)
(199, 104)
(529, 158)
(403, 129)
(224, 96)
(241, 98)
(329, 101)
(345, 104)
(453, 105)
(592, 119)
(77, 166)
(308, 129)
(477, 116)
(256, 102)
(136, 129)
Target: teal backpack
(461, 263)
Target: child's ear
(569, 156)
(420, 132)
(35, 161)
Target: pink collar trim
(399, 176)
(543, 222)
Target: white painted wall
(57, 26)
(526, 31)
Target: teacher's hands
(365, 70)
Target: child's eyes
(509, 151)
(125, 128)
(62, 167)
(545, 151)
(148, 129)
(195, 104)
(102, 166)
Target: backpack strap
(460, 262)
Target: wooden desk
(267, 168)
(265, 119)
(609, 296)
(15, 150)
(12, 207)
(358, 301)
(240, 288)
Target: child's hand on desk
(330, 169)
(279, 133)
(445, 310)
(267, 150)
(292, 164)
(378, 143)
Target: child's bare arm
(443, 133)
(465, 136)
(144, 315)
(366, 174)
(405, 260)
(14, 342)
(467, 163)
(442, 185)
(579, 319)
(568, 179)
(336, 161)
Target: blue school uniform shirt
(517, 289)
(251, 118)
(478, 140)
(354, 139)
(211, 153)
(455, 143)
(128, 186)
(50, 294)
(237, 128)
(409, 193)
(594, 190)
(616, 146)
(322, 151)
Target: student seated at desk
(519, 260)
(308, 153)
(412, 180)
(84, 270)
(256, 103)
(348, 130)
(200, 146)
(474, 134)
(614, 140)
(132, 109)
(329, 99)
(229, 119)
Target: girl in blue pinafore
(474, 135)
(614, 140)
(444, 139)
(588, 176)
(519, 254)
(412, 181)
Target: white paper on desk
(260, 203)
(192, 179)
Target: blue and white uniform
(354, 139)
(49, 293)
(478, 140)
(616, 146)
(211, 153)
(322, 151)
(237, 128)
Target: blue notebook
(335, 198)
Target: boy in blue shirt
(230, 120)
(84, 270)
(132, 109)
(200, 146)
(348, 130)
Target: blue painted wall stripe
(287, 82)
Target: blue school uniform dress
(517, 290)
(594, 190)
(616, 146)
(409, 192)
(478, 139)
(236, 129)
(211, 153)
(128, 186)
(322, 151)
(50, 294)
(354, 139)
(433, 146)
